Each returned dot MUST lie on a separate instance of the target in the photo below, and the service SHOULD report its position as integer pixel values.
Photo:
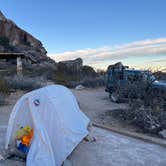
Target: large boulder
(88, 71)
(75, 67)
(14, 39)
(117, 66)
(72, 67)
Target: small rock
(162, 133)
(80, 87)
(90, 138)
(90, 124)
(1, 158)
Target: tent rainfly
(59, 125)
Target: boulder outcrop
(15, 39)
(72, 67)
(76, 67)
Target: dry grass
(4, 91)
(23, 83)
(147, 108)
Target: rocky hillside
(14, 39)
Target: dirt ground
(110, 148)
(96, 104)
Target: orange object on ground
(26, 139)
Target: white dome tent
(58, 124)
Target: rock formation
(118, 66)
(72, 67)
(88, 71)
(14, 39)
(75, 67)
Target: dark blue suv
(119, 77)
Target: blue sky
(67, 27)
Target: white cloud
(158, 61)
(103, 54)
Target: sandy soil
(96, 105)
(112, 149)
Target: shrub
(147, 107)
(61, 77)
(88, 71)
(23, 83)
(7, 71)
(101, 72)
(4, 41)
(47, 71)
(2, 99)
(160, 75)
(4, 91)
(3, 86)
(93, 82)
